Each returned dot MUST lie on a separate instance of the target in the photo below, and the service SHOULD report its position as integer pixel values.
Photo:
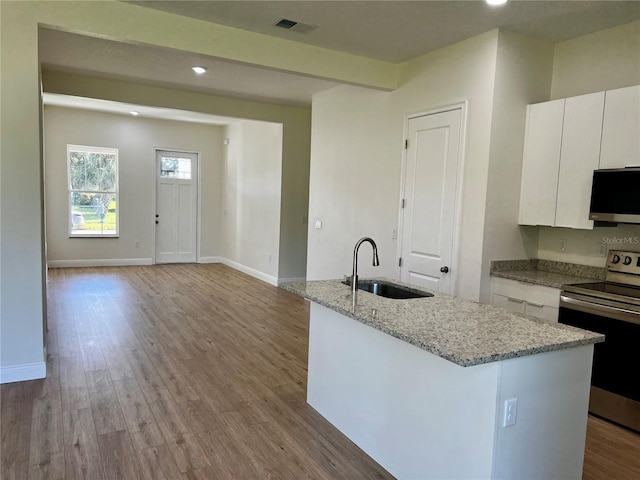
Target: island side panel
(416, 414)
(548, 438)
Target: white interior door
(176, 206)
(430, 192)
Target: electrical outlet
(510, 412)
(602, 250)
(137, 243)
(394, 234)
(563, 244)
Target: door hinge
(400, 262)
(403, 204)
(406, 143)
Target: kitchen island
(421, 385)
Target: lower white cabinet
(534, 300)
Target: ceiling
(396, 31)
(119, 108)
(392, 31)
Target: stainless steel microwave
(615, 195)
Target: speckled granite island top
(461, 331)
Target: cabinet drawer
(541, 311)
(512, 304)
(538, 294)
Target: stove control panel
(623, 262)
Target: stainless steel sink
(388, 289)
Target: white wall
(356, 158)
(251, 199)
(135, 138)
(523, 76)
(294, 205)
(583, 246)
(354, 181)
(22, 235)
(22, 279)
(599, 61)
(603, 60)
(295, 133)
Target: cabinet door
(540, 163)
(621, 128)
(580, 156)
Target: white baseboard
(120, 262)
(292, 279)
(251, 271)
(99, 262)
(23, 372)
(210, 260)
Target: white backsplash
(583, 246)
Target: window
(175, 167)
(93, 191)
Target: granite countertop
(462, 331)
(546, 272)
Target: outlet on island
(510, 412)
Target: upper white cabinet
(561, 151)
(579, 157)
(621, 128)
(542, 142)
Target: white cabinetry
(621, 128)
(536, 300)
(543, 138)
(579, 157)
(562, 149)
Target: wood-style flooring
(191, 372)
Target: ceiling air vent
(295, 26)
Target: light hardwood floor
(191, 372)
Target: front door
(176, 206)
(430, 192)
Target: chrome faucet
(376, 262)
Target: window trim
(70, 191)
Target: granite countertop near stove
(546, 272)
(462, 331)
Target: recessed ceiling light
(496, 2)
(199, 70)
(134, 113)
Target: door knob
(444, 269)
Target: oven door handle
(617, 313)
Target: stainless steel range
(611, 307)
